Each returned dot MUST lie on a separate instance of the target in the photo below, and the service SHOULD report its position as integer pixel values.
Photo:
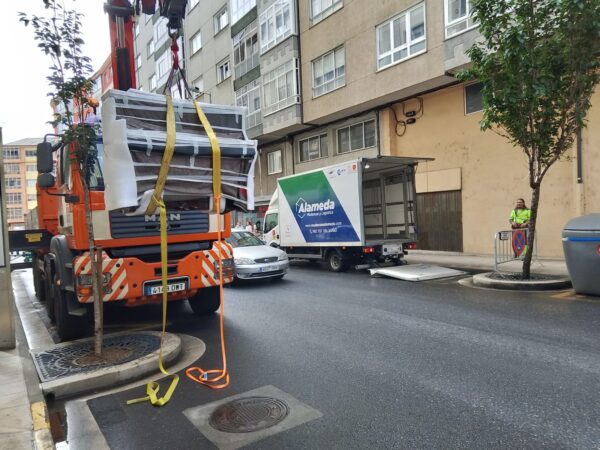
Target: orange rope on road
(198, 374)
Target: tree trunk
(535, 201)
(98, 316)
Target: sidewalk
(484, 263)
(23, 414)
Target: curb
(114, 375)
(482, 280)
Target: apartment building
(326, 81)
(20, 177)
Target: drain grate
(78, 357)
(249, 414)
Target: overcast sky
(24, 104)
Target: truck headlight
(243, 261)
(227, 264)
(86, 280)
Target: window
(220, 20)
(356, 137)
(223, 71)
(152, 81)
(12, 183)
(270, 222)
(329, 72)
(313, 148)
(249, 97)
(276, 24)
(458, 16)
(138, 61)
(198, 85)
(163, 67)
(280, 87)
(14, 213)
(320, 9)
(245, 52)
(31, 153)
(193, 3)
(12, 168)
(32, 198)
(31, 183)
(13, 198)
(31, 168)
(136, 29)
(11, 153)
(196, 42)
(401, 37)
(150, 48)
(160, 32)
(239, 8)
(473, 98)
(274, 162)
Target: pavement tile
(16, 441)
(12, 399)
(15, 419)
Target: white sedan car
(254, 259)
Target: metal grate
(78, 357)
(249, 414)
(179, 222)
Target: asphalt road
(389, 364)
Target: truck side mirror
(45, 180)
(44, 158)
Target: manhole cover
(79, 357)
(249, 414)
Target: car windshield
(243, 239)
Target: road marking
(39, 415)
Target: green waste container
(581, 245)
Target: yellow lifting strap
(153, 387)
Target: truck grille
(266, 260)
(180, 222)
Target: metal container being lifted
(581, 244)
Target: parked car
(254, 259)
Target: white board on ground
(417, 272)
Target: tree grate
(78, 357)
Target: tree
(59, 37)
(538, 61)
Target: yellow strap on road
(166, 160)
(153, 387)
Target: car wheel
(206, 301)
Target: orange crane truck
(131, 265)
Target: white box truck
(361, 212)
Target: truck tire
(38, 281)
(68, 327)
(336, 262)
(206, 301)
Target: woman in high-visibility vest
(519, 217)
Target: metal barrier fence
(511, 245)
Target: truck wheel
(68, 327)
(38, 285)
(335, 261)
(206, 301)
(49, 297)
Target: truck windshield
(94, 170)
(243, 239)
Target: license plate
(172, 287)
(269, 269)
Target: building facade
(326, 81)
(20, 177)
